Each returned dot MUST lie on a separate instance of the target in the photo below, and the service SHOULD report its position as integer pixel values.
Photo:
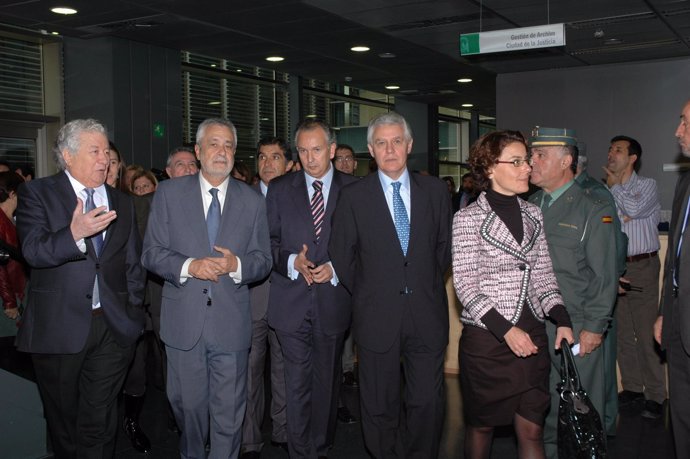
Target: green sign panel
(469, 44)
(159, 130)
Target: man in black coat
(390, 245)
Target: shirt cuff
(292, 273)
(334, 279)
(496, 323)
(184, 273)
(560, 315)
(237, 275)
(81, 245)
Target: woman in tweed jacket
(503, 277)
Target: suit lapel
(418, 207)
(679, 210)
(193, 206)
(300, 199)
(113, 204)
(233, 211)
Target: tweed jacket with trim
(491, 270)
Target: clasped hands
(521, 344)
(312, 274)
(212, 268)
(87, 224)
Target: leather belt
(642, 256)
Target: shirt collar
(386, 181)
(264, 187)
(558, 192)
(78, 188)
(326, 179)
(206, 186)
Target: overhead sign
(499, 41)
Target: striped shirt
(638, 205)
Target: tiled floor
(637, 437)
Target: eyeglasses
(344, 159)
(517, 162)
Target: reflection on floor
(637, 437)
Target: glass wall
(255, 99)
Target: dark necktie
(96, 241)
(546, 201)
(402, 222)
(676, 265)
(317, 208)
(213, 217)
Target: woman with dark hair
(12, 275)
(503, 277)
(241, 172)
(115, 167)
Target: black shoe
(345, 416)
(250, 455)
(131, 426)
(280, 444)
(652, 410)
(349, 379)
(628, 397)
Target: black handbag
(580, 433)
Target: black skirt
(496, 384)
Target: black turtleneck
(508, 210)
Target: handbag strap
(569, 375)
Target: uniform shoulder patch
(606, 219)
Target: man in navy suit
(207, 237)
(308, 307)
(273, 158)
(84, 310)
(390, 245)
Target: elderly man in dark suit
(273, 158)
(308, 307)
(390, 245)
(207, 237)
(672, 327)
(84, 311)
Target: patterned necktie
(317, 208)
(546, 201)
(213, 217)
(402, 222)
(97, 241)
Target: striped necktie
(317, 207)
(213, 217)
(402, 222)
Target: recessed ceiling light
(468, 105)
(465, 80)
(310, 116)
(55, 33)
(63, 10)
(387, 55)
(275, 59)
(238, 70)
(359, 49)
(214, 102)
(213, 65)
(392, 87)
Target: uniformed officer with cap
(580, 234)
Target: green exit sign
(159, 130)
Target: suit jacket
(177, 231)
(367, 256)
(682, 313)
(258, 291)
(580, 233)
(291, 225)
(491, 270)
(58, 314)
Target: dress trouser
(79, 393)
(415, 431)
(639, 362)
(263, 339)
(679, 383)
(312, 366)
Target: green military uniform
(579, 231)
(597, 190)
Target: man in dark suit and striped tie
(308, 307)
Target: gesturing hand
(304, 266)
(89, 223)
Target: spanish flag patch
(607, 219)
